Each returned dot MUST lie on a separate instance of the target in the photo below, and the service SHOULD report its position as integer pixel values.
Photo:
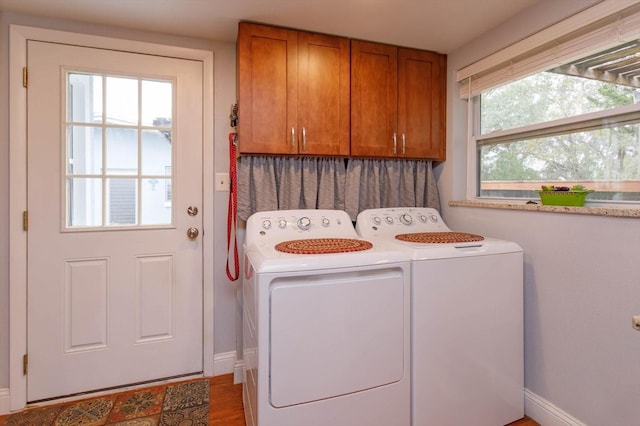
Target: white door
(114, 180)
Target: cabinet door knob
(395, 144)
(404, 143)
(293, 138)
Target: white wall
(582, 282)
(225, 89)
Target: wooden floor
(225, 402)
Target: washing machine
(467, 318)
(326, 323)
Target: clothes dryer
(467, 318)
(326, 323)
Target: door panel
(114, 283)
(323, 98)
(421, 103)
(268, 88)
(374, 99)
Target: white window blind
(604, 25)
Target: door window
(119, 151)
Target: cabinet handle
(304, 139)
(395, 144)
(293, 138)
(404, 143)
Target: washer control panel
(388, 222)
(283, 225)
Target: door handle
(193, 233)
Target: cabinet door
(374, 99)
(421, 104)
(267, 89)
(323, 94)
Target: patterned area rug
(175, 404)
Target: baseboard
(545, 413)
(5, 405)
(238, 372)
(224, 363)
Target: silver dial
(406, 219)
(325, 222)
(389, 220)
(304, 223)
(266, 224)
(377, 220)
(282, 223)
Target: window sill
(590, 211)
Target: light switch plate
(222, 182)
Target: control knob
(304, 223)
(422, 218)
(266, 224)
(282, 223)
(406, 219)
(377, 220)
(325, 222)
(389, 220)
(433, 218)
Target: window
(561, 107)
(571, 125)
(119, 150)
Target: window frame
(602, 26)
(595, 120)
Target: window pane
(156, 208)
(548, 96)
(156, 152)
(84, 103)
(122, 100)
(122, 151)
(121, 201)
(606, 160)
(132, 165)
(84, 150)
(84, 202)
(157, 101)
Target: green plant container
(563, 198)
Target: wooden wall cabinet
(293, 89)
(398, 102)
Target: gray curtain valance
(282, 183)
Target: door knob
(192, 210)
(193, 233)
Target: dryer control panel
(388, 222)
(283, 225)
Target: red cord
(233, 207)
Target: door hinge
(25, 221)
(25, 364)
(25, 77)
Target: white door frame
(18, 36)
